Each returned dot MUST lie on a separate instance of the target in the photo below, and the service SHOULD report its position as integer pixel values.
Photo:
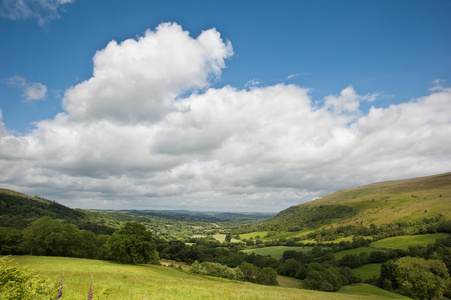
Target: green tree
(133, 244)
(10, 239)
(420, 278)
(228, 238)
(43, 237)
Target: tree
(290, 267)
(351, 261)
(420, 278)
(228, 238)
(44, 237)
(133, 244)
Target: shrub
(19, 283)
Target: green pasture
(253, 235)
(356, 251)
(403, 242)
(363, 289)
(157, 282)
(368, 271)
(276, 251)
(221, 238)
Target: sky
(220, 105)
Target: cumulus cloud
(139, 79)
(42, 10)
(31, 91)
(131, 135)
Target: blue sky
(342, 57)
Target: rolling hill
(378, 203)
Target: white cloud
(128, 139)
(31, 91)
(139, 79)
(42, 10)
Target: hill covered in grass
(377, 203)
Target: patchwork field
(158, 282)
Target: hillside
(18, 210)
(377, 203)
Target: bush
(217, 270)
(19, 283)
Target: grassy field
(276, 251)
(253, 235)
(363, 289)
(368, 271)
(403, 242)
(356, 251)
(157, 282)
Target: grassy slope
(378, 203)
(14, 193)
(157, 282)
(403, 242)
(393, 200)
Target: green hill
(18, 210)
(377, 203)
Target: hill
(18, 210)
(378, 203)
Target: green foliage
(217, 270)
(421, 279)
(134, 244)
(254, 274)
(44, 237)
(10, 239)
(308, 216)
(19, 211)
(19, 283)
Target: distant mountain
(377, 203)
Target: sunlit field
(157, 282)
(403, 242)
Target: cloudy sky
(220, 105)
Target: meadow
(276, 251)
(403, 242)
(141, 282)
(368, 271)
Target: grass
(157, 282)
(356, 251)
(368, 271)
(276, 251)
(253, 235)
(363, 289)
(403, 242)
(290, 282)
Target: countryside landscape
(213, 149)
(387, 240)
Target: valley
(353, 244)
